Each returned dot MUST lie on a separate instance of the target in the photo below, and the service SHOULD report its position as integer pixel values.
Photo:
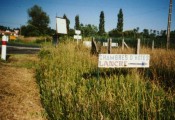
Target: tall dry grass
(67, 76)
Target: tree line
(38, 25)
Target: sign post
(60, 29)
(77, 36)
(4, 47)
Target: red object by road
(4, 42)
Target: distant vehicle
(12, 37)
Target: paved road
(21, 50)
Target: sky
(145, 14)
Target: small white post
(4, 47)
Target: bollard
(4, 47)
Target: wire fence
(145, 42)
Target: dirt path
(19, 93)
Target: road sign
(123, 60)
(61, 26)
(77, 32)
(87, 44)
(112, 44)
(78, 37)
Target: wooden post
(153, 45)
(138, 46)
(94, 49)
(123, 44)
(109, 45)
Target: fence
(146, 42)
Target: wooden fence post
(94, 49)
(109, 45)
(153, 45)
(138, 46)
(123, 44)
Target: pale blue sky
(150, 14)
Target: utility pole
(20, 30)
(169, 24)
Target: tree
(71, 32)
(173, 34)
(3, 28)
(136, 32)
(115, 33)
(102, 24)
(152, 33)
(77, 22)
(38, 19)
(120, 21)
(23, 30)
(89, 30)
(30, 30)
(163, 33)
(67, 22)
(130, 33)
(145, 33)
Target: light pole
(169, 24)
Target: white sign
(77, 32)
(61, 26)
(87, 43)
(112, 45)
(105, 44)
(123, 60)
(78, 37)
